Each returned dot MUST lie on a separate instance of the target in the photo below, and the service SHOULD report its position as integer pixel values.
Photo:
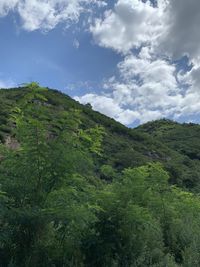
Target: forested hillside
(79, 189)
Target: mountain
(175, 145)
(78, 189)
(183, 138)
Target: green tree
(47, 196)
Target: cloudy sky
(133, 60)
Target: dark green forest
(78, 189)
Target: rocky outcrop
(11, 142)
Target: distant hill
(176, 146)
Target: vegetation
(79, 189)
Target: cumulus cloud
(129, 25)
(108, 106)
(6, 6)
(171, 27)
(150, 82)
(46, 14)
(147, 88)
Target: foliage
(79, 189)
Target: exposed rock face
(11, 143)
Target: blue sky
(133, 60)
(52, 58)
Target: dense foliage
(79, 189)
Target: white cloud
(47, 14)
(102, 103)
(6, 6)
(150, 83)
(147, 90)
(130, 24)
(108, 106)
(76, 43)
(171, 27)
(191, 100)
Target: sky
(133, 60)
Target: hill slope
(176, 145)
(72, 194)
